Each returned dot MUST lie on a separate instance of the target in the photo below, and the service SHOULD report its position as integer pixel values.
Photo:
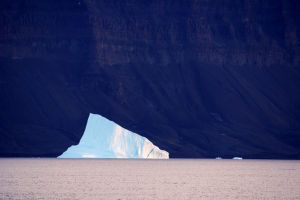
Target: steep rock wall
(197, 78)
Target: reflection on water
(148, 179)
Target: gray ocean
(148, 179)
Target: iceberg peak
(103, 138)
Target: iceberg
(237, 158)
(103, 138)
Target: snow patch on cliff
(103, 138)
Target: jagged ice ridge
(103, 138)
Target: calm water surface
(148, 179)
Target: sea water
(148, 179)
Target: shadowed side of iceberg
(103, 138)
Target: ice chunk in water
(103, 138)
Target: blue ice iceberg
(237, 158)
(103, 138)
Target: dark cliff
(197, 78)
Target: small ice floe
(218, 158)
(237, 158)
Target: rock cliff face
(197, 78)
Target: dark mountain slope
(197, 78)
